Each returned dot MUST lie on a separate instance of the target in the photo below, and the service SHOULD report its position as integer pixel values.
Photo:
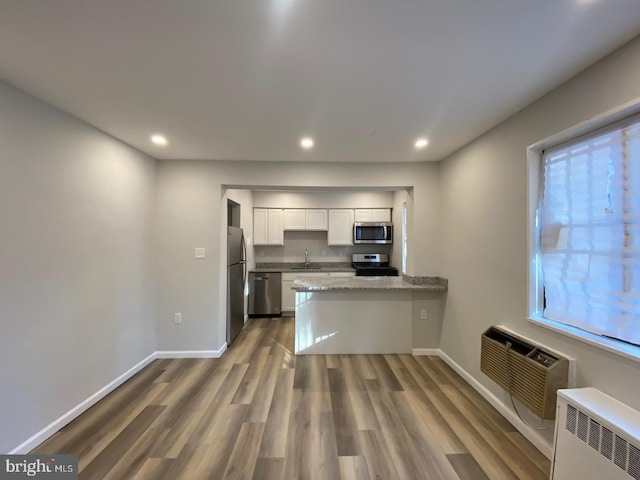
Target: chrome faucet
(306, 258)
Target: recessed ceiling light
(306, 143)
(159, 139)
(421, 143)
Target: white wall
(399, 198)
(190, 215)
(76, 270)
(484, 213)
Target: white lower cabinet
(289, 295)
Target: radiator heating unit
(596, 437)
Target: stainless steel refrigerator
(236, 279)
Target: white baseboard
(426, 351)
(193, 353)
(53, 427)
(56, 425)
(534, 437)
(63, 420)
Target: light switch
(200, 253)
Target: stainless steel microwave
(373, 232)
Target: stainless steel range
(372, 265)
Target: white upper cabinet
(260, 226)
(295, 219)
(316, 219)
(340, 227)
(305, 219)
(364, 215)
(381, 214)
(373, 215)
(268, 226)
(276, 227)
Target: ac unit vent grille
(607, 443)
(613, 447)
(572, 416)
(620, 453)
(594, 434)
(583, 425)
(634, 462)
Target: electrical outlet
(177, 318)
(423, 314)
(199, 253)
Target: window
(589, 232)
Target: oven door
(380, 233)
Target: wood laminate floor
(260, 412)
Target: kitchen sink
(305, 268)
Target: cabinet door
(288, 296)
(340, 227)
(364, 215)
(275, 233)
(260, 222)
(295, 219)
(381, 215)
(316, 219)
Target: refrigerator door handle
(243, 261)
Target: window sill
(622, 349)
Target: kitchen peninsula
(357, 315)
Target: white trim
(66, 418)
(426, 351)
(533, 436)
(626, 350)
(193, 353)
(534, 279)
(59, 423)
(614, 115)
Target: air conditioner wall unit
(596, 437)
(528, 371)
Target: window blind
(590, 232)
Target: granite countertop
(320, 284)
(300, 268)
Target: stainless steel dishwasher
(265, 294)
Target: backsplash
(316, 243)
